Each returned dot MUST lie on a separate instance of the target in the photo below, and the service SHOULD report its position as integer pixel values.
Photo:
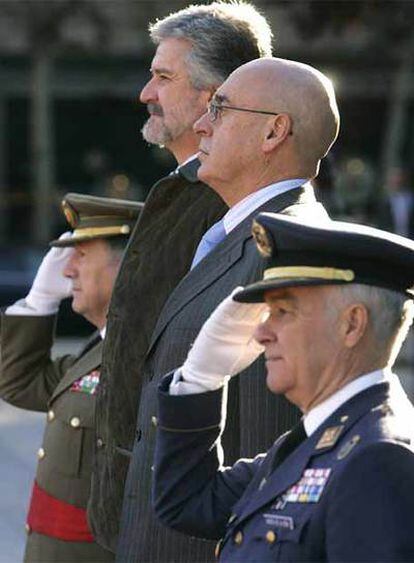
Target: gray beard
(160, 135)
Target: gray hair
(117, 245)
(390, 314)
(224, 35)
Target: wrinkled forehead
(171, 55)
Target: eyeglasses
(214, 110)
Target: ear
(277, 129)
(354, 323)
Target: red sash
(58, 519)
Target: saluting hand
(225, 345)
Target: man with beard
(259, 148)
(197, 48)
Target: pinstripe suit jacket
(255, 417)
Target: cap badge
(262, 239)
(71, 216)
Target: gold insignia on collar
(329, 437)
(344, 418)
(71, 216)
(262, 240)
(348, 446)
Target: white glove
(224, 347)
(49, 287)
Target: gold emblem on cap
(71, 216)
(329, 437)
(262, 240)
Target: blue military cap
(332, 252)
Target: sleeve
(28, 375)
(370, 514)
(192, 491)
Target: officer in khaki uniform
(82, 264)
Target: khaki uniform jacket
(29, 379)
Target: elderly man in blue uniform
(330, 315)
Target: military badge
(279, 521)
(87, 383)
(329, 437)
(71, 215)
(262, 239)
(348, 446)
(310, 486)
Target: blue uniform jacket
(345, 494)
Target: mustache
(155, 109)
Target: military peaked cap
(94, 217)
(332, 252)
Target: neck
(184, 147)
(336, 380)
(236, 192)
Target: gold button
(99, 443)
(154, 420)
(238, 538)
(27, 528)
(75, 422)
(218, 549)
(271, 536)
(50, 416)
(41, 453)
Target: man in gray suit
(262, 139)
(197, 48)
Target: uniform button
(238, 538)
(154, 420)
(41, 453)
(50, 415)
(27, 528)
(271, 537)
(99, 443)
(75, 422)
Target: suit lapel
(84, 365)
(222, 258)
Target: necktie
(296, 436)
(215, 234)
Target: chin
(203, 171)
(275, 383)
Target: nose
(203, 125)
(262, 333)
(70, 270)
(149, 92)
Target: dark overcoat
(177, 212)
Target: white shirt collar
(189, 159)
(321, 412)
(246, 206)
(103, 332)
